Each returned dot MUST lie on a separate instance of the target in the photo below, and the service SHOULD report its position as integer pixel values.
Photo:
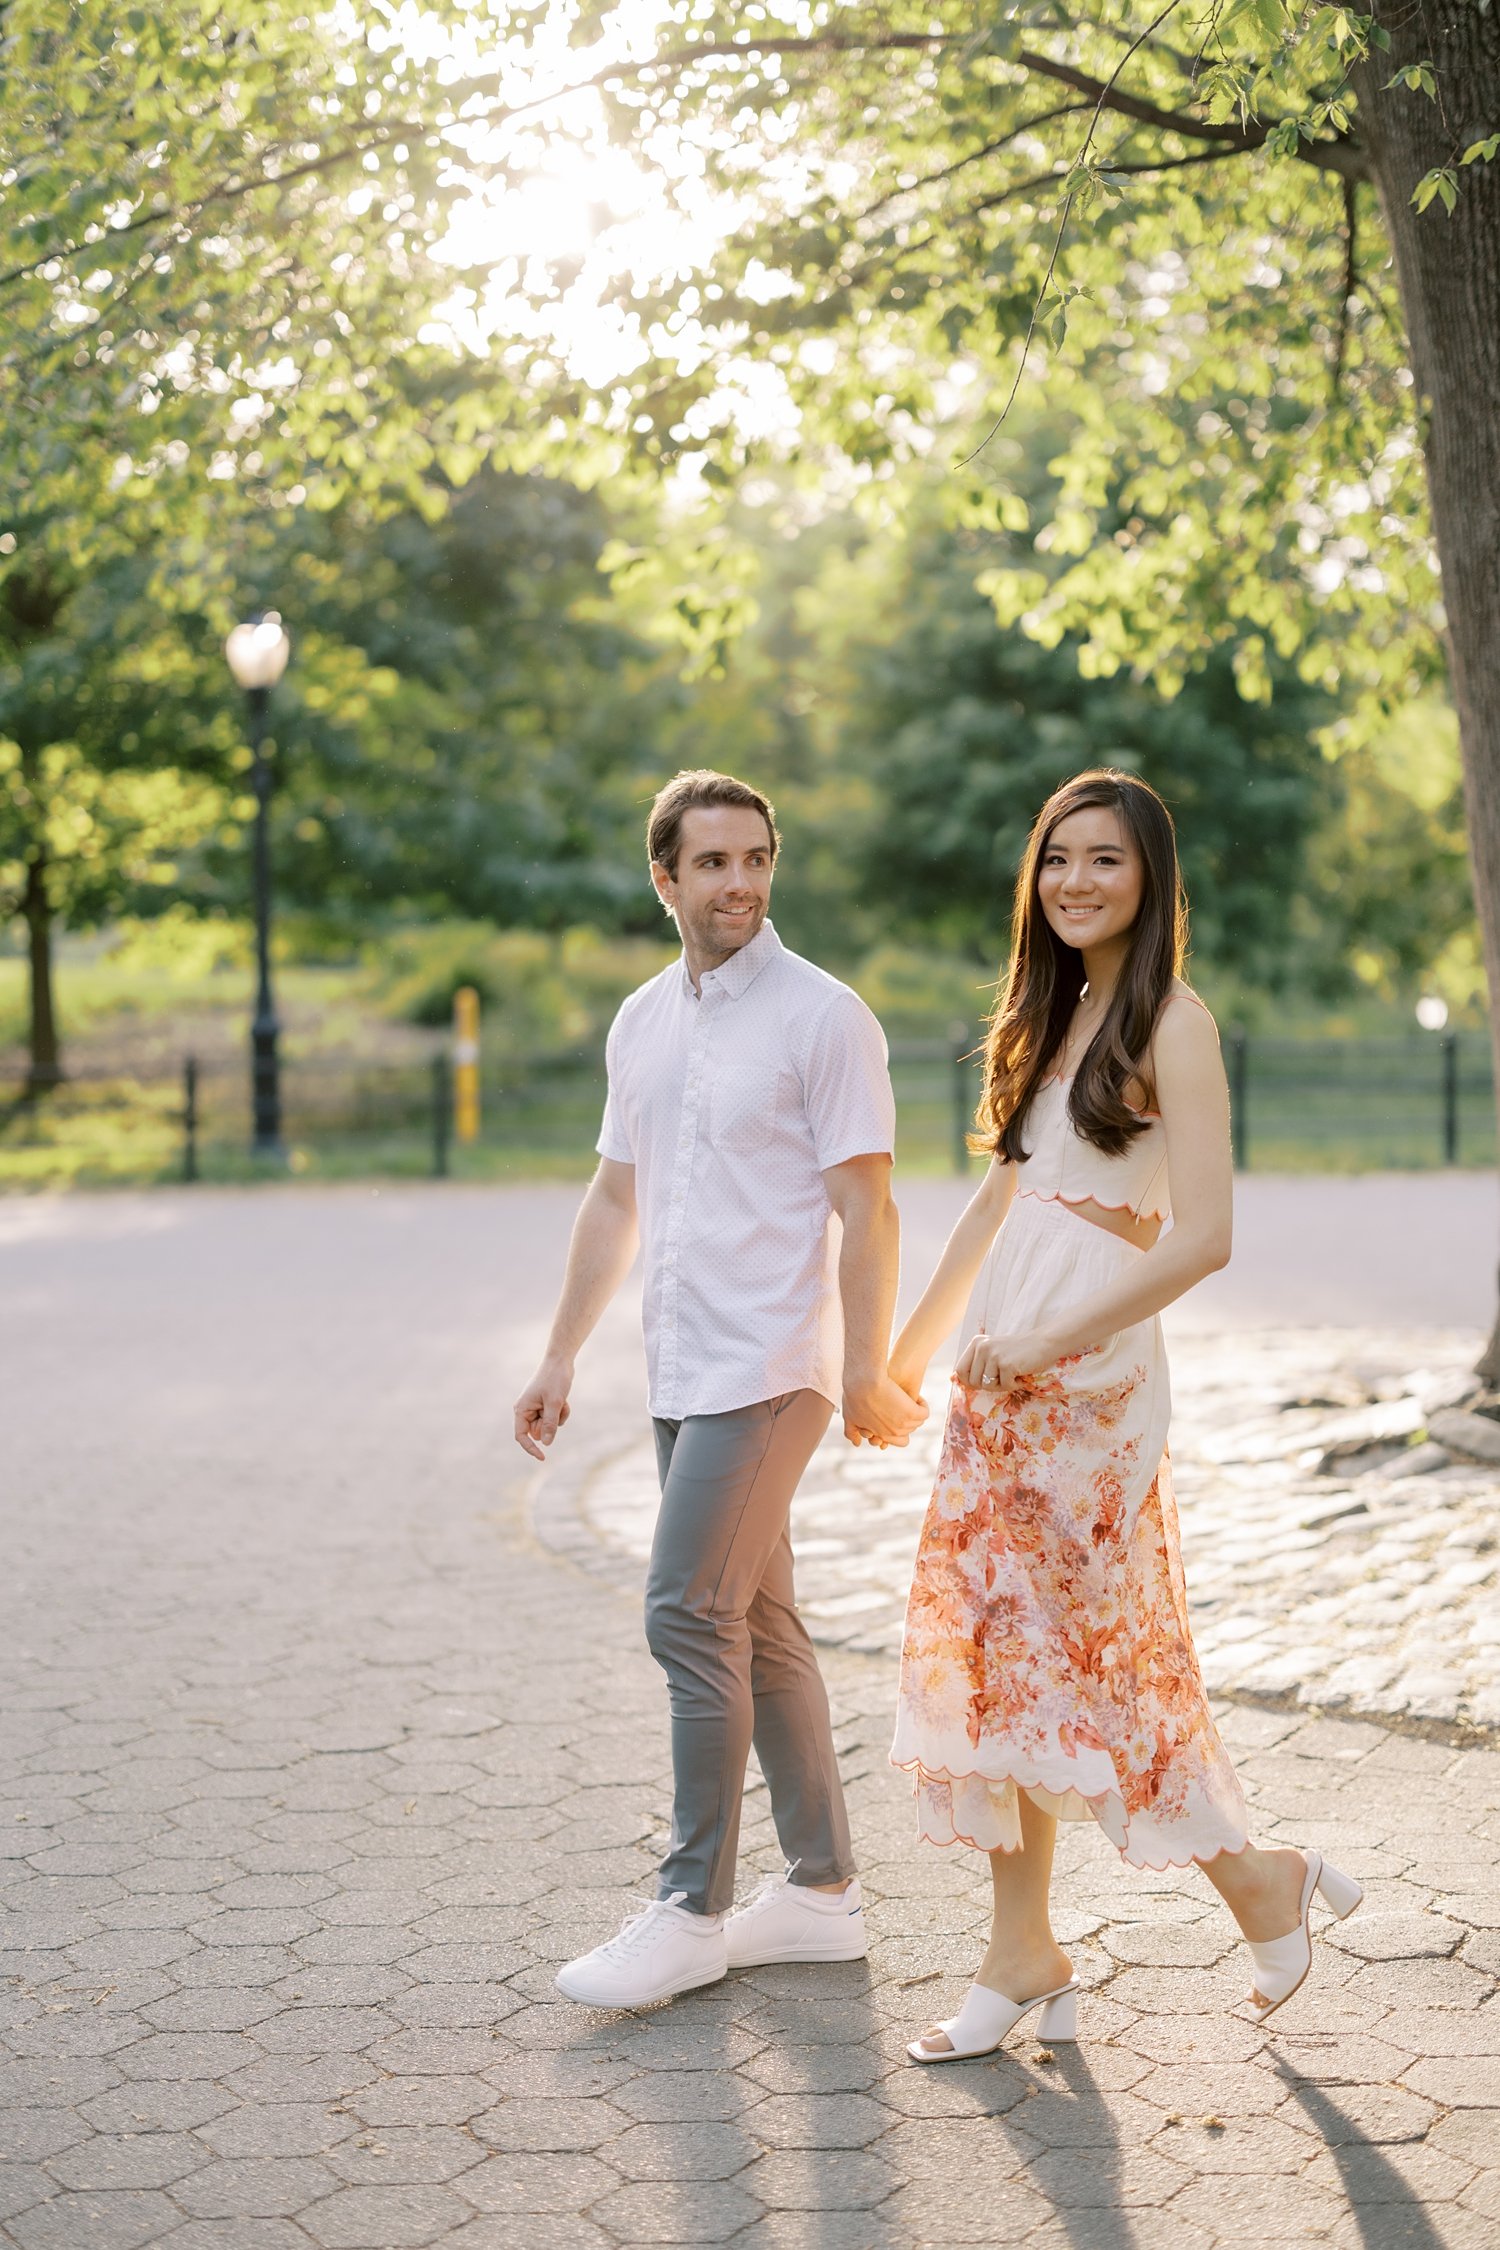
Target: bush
(924, 995)
(538, 993)
(189, 947)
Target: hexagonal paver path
(314, 1766)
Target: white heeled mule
(986, 2017)
(1282, 1964)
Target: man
(749, 1102)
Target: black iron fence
(1361, 1104)
(1297, 1104)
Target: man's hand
(542, 1407)
(604, 1241)
(880, 1411)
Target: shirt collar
(739, 972)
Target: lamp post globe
(257, 653)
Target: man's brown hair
(702, 786)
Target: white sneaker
(659, 1951)
(786, 1921)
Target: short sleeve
(613, 1141)
(846, 1085)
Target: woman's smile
(1089, 880)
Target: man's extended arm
(874, 1406)
(601, 1253)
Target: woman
(1048, 1671)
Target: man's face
(722, 887)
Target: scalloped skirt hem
(983, 1811)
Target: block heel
(1059, 2019)
(1341, 1894)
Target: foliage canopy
(1164, 221)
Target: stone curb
(1473, 1435)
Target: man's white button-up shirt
(731, 1104)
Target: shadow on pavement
(1386, 2208)
(822, 2031)
(1081, 2141)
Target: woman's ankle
(1022, 1968)
(1262, 1889)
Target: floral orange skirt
(1047, 1644)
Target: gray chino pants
(721, 1620)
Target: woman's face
(1090, 878)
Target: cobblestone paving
(1333, 1559)
(315, 1764)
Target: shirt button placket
(682, 1173)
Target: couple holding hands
(1048, 1670)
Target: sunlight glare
(562, 228)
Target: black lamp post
(257, 654)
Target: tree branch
(1351, 284)
(1145, 169)
(1342, 155)
(1105, 90)
(229, 191)
(975, 156)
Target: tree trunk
(45, 1070)
(1448, 270)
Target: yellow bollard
(466, 1063)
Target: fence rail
(1358, 1103)
(1297, 1104)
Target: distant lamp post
(1432, 1015)
(257, 653)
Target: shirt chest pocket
(743, 1103)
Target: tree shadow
(1065, 2139)
(1081, 2142)
(1381, 2203)
(819, 2028)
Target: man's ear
(662, 883)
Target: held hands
(881, 1411)
(542, 1407)
(998, 1363)
(886, 1410)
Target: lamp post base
(265, 1091)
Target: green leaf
(1262, 19)
(1418, 78)
(1482, 152)
(1441, 183)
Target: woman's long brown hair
(1030, 1024)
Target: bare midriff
(1141, 1234)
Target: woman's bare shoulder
(1184, 1035)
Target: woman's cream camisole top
(1062, 1167)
